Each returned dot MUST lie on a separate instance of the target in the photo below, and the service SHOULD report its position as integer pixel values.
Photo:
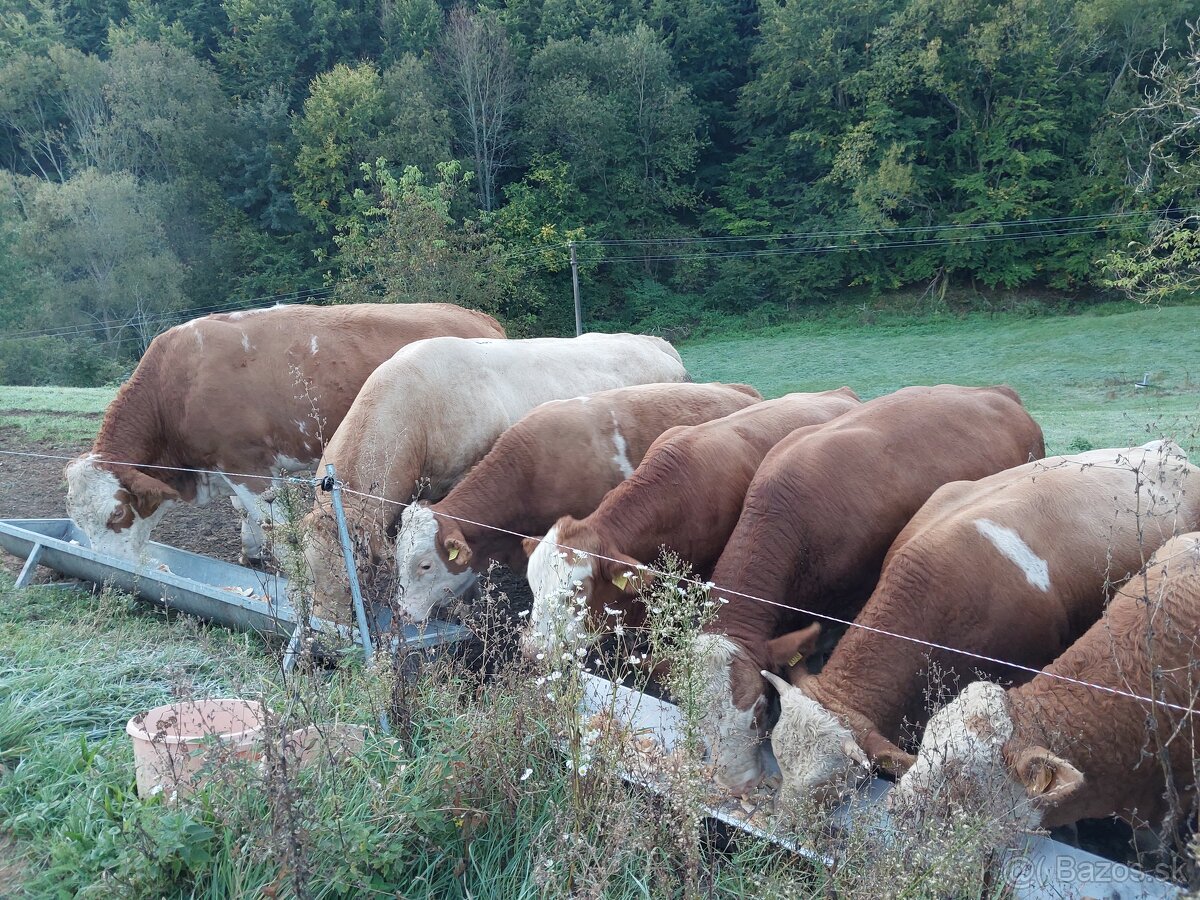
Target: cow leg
(254, 539)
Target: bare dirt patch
(33, 488)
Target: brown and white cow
(246, 393)
(818, 520)
(1014, 567)
(686, 495)
(433, 410)
(560, 459)
(1053, 751)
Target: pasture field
(1076, 374)
(475, 800)
(59, 416)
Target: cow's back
(826, 503)
(579, 449)
(234, 389)
(437, 406)
(689, 488)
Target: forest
(708, 160)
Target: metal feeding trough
(221, 592)
(1040, 869)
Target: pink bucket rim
(138, 731)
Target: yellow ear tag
(797, 659)
(454, 554)
(620, 581)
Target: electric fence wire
(704, 585)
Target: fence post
(575, 289)
(360, 611)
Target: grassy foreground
(476, 801)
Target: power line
(846, 248)
(783, 236)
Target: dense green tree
(354, 115)
(410, 26)
(262, 154)
(33, 139)
(612, 108)
(168, 114)
(29, 26)
(289, 42)
(98, 246)
(86, 22)
(409, 247)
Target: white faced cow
(559, 460)
(1079, 741)
(252, 393)
(433, 410)
(823, 508)
(1013, 567)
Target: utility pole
(575, 288)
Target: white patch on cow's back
(583, 399)
(1012, 548)
(621, 458)
(557, 616)
(312, 345)
(242, 313)
(199, 339)
(245, 342)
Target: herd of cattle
(929, 516)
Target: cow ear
(1048, 779)
(148, 492)
(789, 650)
(530, 544)
(457, 551)
(885, 755)
(625, 573)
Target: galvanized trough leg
(30, 567)
(360, 612)
(293, 649)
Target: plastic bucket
(172, 744)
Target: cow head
(965, 765)
(818, 756)
(116, 511)
(735, 700)
(576, 593)
(433, 562)
(324, 567)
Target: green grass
(478, 804)
(54, 415)
(1076, 374)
